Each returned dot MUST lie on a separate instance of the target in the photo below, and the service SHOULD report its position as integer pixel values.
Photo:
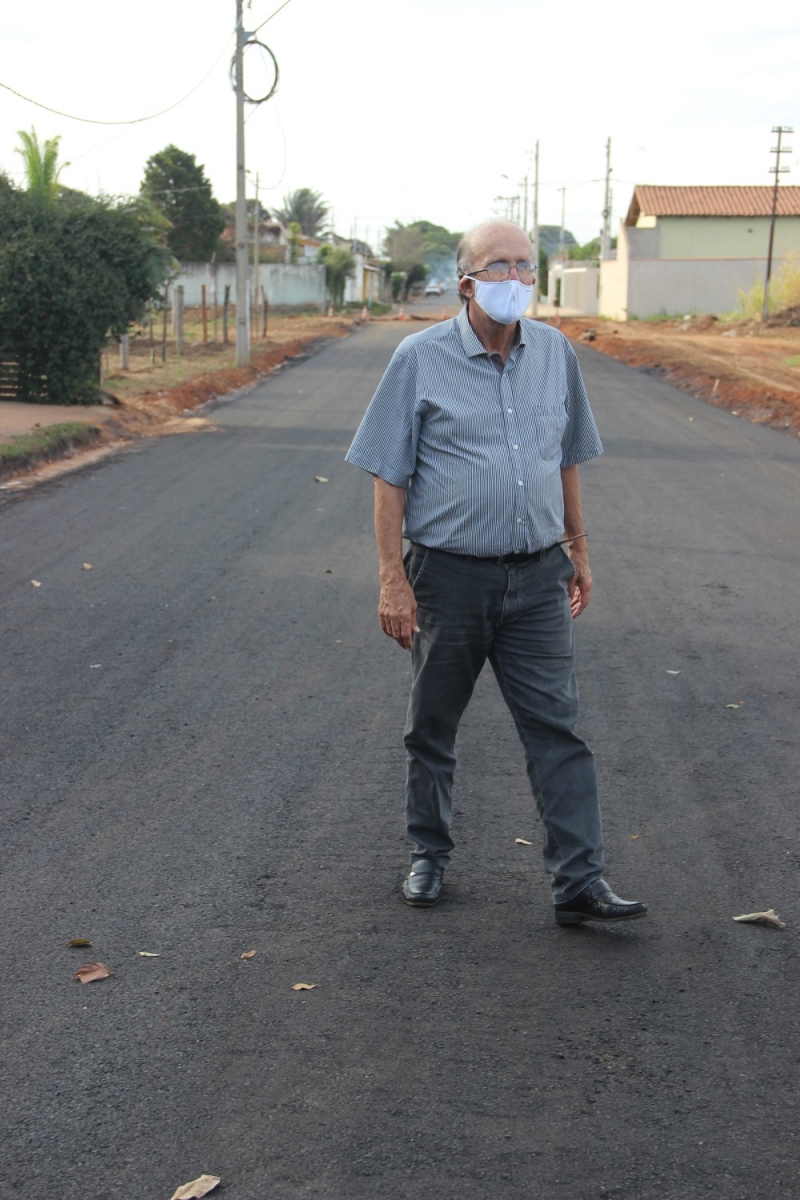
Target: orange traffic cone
(364, 313)
(401, 316)
(330, 310)
(444, 314)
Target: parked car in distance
(433, 289)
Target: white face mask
(504, 302)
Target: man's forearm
(390, 503)
(573, 517)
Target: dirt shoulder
(152, 397)
(751, 369)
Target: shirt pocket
(549, 422)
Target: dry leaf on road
(303, 987)
(522, 842)
(770, 917)
(673, 672)
(733, 705)
(36, 583)
(93, 971)
(148, 954)
(321, 479)
(79, 942)
(197, 1188)
(248, 954)
(87, 566)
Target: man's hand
(580, 586)
(397, 611)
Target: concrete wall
(579, 287)
(285, 285)
(679, 286)
(613, 299)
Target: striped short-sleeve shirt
(479, 450)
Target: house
(692, 249)
(364, 285)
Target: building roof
(652, 201)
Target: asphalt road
(202, 756)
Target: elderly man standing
(474, 437)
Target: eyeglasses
(497, 272)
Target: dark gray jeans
(517, 616)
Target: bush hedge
(72, 270)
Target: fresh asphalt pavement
(202, 757)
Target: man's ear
(466, 287)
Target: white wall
(679, 286)
(285, 285)
(579, 286)
(364, 284)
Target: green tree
(339, 265)
(294, 240)
(398, 282)
(41, 164)
(417, 274)
(307, 208)
(422, 242)
(176, 185)
(70, 274)
(544, 264)
(586, 253)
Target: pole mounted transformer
(244, 39)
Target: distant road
(202, 757)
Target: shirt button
(511, 410)
(519, 481)
(516, 447)
(519, 520)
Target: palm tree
(305, 207)
(40, 164)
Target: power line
(271, 15)
(137, 120)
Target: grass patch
(794, 361)
(50, 442)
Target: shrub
(784, 290)
(71, 272)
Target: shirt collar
(473, 346)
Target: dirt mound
(745, 367)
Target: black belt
(502, 560)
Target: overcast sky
(417, 108)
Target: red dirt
(749, 373)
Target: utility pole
(605, 238)
(535, 238)
(777, 171)
(525, 222)
(256, 228)
(563, 191)
(242, 328)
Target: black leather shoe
(423, 885)
(597, 902)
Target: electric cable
(137, 120)
(271, 15)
